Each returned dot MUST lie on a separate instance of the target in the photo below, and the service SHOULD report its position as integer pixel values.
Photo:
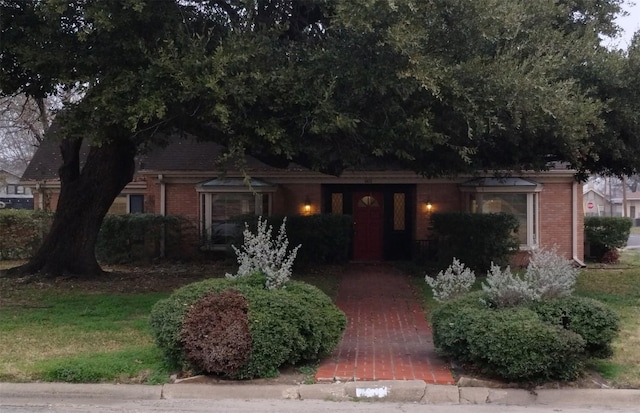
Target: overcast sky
(630, 23)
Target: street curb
(81, 391)
(229, 391)
(399, 391)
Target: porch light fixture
(428, 206)
(307, 205)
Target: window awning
(493, 184)
(235, 185)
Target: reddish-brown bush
(610, 257)
(215, 333)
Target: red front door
(368, 219)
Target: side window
(136, 204)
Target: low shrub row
(237, 328)
(122, 238)
(544, 341)
(478, 240)
(325, 238)
(21, 232)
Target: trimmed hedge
(122, 238)
(475, 239)
(589, 318)
(606, 234)
(325, 238)
(21, 232)
(137, 237)
(289, 325)
(546, 341)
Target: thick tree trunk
(85, 197)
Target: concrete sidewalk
(405, 391)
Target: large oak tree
(437, 86)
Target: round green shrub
(594, 321)
(289, 325)
(516, 345)
(451, 321)
(512, 343)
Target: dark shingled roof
(180, 155)
(190, 155)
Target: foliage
(325, 238)
(215, 333)
(437, 87)
(289, 325)
(549, 274)
(261, 253)
(515, 344)
(526, 328)
(122, 239)
(596, 323)
(504, 289)
(131, 238)
(21, 232)
(453, 282)
(606, 233)
(478, 240)
(511, 343)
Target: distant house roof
(5, 172)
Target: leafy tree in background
(440, 87)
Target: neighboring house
(632, 208)
(14, 195)
(391, 209)
(597, 204)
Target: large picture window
(223, 200)
(516, 196)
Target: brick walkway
(387, 335)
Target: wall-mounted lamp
(307, 205)
(428, 207)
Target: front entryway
(383, 218)
(368, 219)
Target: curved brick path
(387, 336)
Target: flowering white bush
(550, 275)
(506, 289)
(261, 253)
(454, 281)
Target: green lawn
(619, 286)
(72, 332)
(48, 334)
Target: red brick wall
(443, 198)
(556, 201)
(290, 199)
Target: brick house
(391, 208)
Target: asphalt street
(272, 406)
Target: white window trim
(533, 207)
(206, 199)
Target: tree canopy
(440, 86)
(437, 86)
